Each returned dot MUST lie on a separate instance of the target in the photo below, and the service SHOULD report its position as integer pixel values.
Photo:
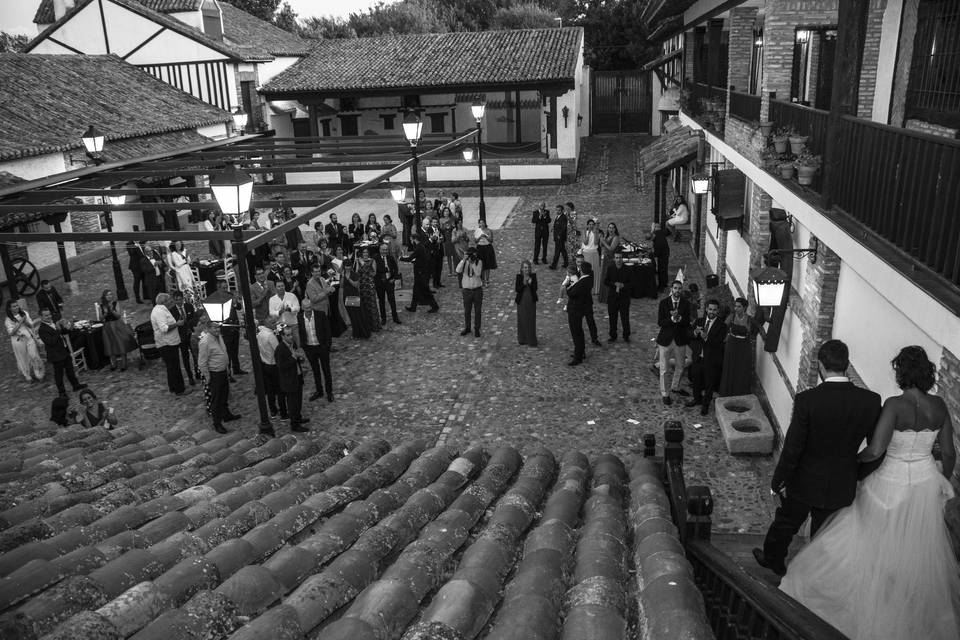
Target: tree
(263, 9)
(12, 42)
(413, 16)
(524, 16)
(286, 19)
(326, 28)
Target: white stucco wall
(170, 47)
(267, 70)
(84, 31)
(738, 263)
(35, 167)
(214, 131)
(886, 63)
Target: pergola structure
(55, 196)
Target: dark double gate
(620, 102)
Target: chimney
(60, 7)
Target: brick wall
(688, 55)
(819, 297)
(871, 57)
(782, 18)
(85, 222)
(814, 68)
(741, 46)
(744, 138)
(948, 388)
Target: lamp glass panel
(412, 128)
(477, 109)
(240, 118)
(399, 195)
(700, 184)
(232, 189)
(116, 199)
(468, 153)
(218, 305)
(768, 286)
(93, 140)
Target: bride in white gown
(884, 568)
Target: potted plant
(766, 126)
(769, 158)
(786, 169)
(797, 143)
(781, 137)
(807, 165)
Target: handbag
(351, 301)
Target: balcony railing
(904, 185)
(806, 121)
(708, 98)
(745, 106)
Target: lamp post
(233, 189)
(413, 129)
(478, 108)
(117, 271)
(93, 142)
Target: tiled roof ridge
(200, 113)
(238, 25)
(235, 53)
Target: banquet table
(643, 279)
(90, 337)
(208, 273)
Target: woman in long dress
(368, 291)
(526, 299)
(118, 337)
(738, 351)
(484, 237)
(590, 247)
(389, 235)
(610, 243)
(884, 568)
(180, 263)
(20, 328)
(350, 288)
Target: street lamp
(770, 283)
(93, 143)
(240, 119)
(468, 153)
(399, 194)
(218, 305)
(117, 271)
(700, 183)
(477, 109)
(413, 129)
(233, 190)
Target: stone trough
(744, 426)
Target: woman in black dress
(118, 337)
(356, 231)
(350, 284)
(526, 299)
(738, 351)
(372, 225)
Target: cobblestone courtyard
(421, 379)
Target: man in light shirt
(472, 285)
(212, 361)
(284, 302)
(166, 335)
(317, 290)
(267, 342)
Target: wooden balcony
(901, 184)
(744, 106)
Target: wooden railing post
(673, 470)
(649, 439)
(699, 510)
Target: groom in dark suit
(711, 332)
(817, 471)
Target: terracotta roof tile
(48, 101)
(436, 60)
(251, 33)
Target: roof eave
(296, 93)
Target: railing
(807, 121)
(904, 185)
(738, 605)
(707, 93)
(745, 106)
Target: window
(756, 61)
(933, 92)
(437, 122)
(388, 120)
(212, 26)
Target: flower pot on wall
(786, 171)
(766, 127)
(805, 175)
(780, 144)
(797, 143)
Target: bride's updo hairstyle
(914, 369)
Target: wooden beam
(851, 30)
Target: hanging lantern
(468, 153)
(399, 194)
(412, 128)
(768, 286)
(218, 305)
(477, 108)
(232, 190)
(240, 119)
(93, 140)
(700, 183)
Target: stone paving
(422, 380)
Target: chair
(172, 281)
(79, 359)
(199, 286)
(228, 274)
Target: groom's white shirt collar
(837, 379)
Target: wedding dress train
(883, 568)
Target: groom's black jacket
(818, 464)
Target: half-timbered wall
(212, 82)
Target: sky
(16, 16)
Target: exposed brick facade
(819, 298)
(948, 388)
(688, 55)
(781, 20)
(742, 20)
(871, 57)
(85, 222)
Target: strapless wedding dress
(883, 568)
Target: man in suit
(51, 333)
(618, 297)
(136, 268)
(388, 271)
(817, 471)
(560, 237)
(711, 333)
(300, 262)
(336, 235)
(314, 328)
(150, 267)
(260, 293)
(435, 242)
(49, 298)
(421, 275)
(673, 318)
(184, 311)
(661, 255)
(289, 359)
(541, 231)
(579, 308)
(231, 329)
